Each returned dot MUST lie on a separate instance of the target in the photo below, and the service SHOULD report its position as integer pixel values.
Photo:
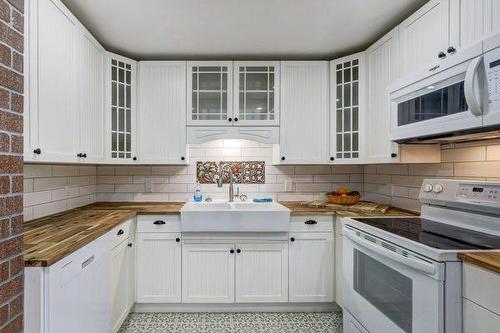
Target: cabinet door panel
(119, 285)
(424, 35)
(90, 89)
(382, 68)
(261, 273)
(304, 112)
(207, 273)
(158, 268)
(53, 122)
(311, 267)
(162, 116)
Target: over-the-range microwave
(457, 100)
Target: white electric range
(403, 274)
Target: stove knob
(427, 188)
(438, 188)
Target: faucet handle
(243, 198)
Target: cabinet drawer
(159, 223)
(480, 286)
(477, 319)
(311, 223)
(121, 232)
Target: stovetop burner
(434, 234)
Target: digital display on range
(478, 189)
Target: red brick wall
(11, 165)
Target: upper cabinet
(256, 97)
(121, 109)
(64, 78)
(382, 68)
(347, 104)
(304, 113)
(425, 36)
(162, 117)
(210, 88)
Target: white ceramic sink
(234, 217)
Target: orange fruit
(343, 190)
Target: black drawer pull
(310, 222)
(130, 244)
(238, 251)
(120, 232)
(177, 239)
(292, 239)
(159, 222)
(231, 251)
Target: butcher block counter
(487, 260)
(51, 238)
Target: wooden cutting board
(362, 206)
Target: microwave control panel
(492, 62)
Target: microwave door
(492, 68)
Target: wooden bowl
(345, 199)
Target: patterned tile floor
(272, 322)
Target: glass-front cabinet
(121, 108)
(256, 93)
(210, 93)
(348, 85)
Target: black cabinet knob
(183, 158)
(441, 55)
(393, 155)
(84, 155)
(332, 158)
(159, 222)
(235, 118)
(451, 50)
(129, 244)
(292, 239)
(230, 119)
(238, 251)
(79, 155)
(282, 158)
(231, 251)
(177, 239)
(37, 151)
(120, 232)
(310, 222)
(134, 158)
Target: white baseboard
(231, 307)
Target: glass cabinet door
(122, 107)
(256, 93)
(210, 89)
(347, 107)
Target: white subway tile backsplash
(65, 170)
(42, 184)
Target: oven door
(449, 99)
(389, 289)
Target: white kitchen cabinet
(382, 63)
(158, 267)
(208, 273)
(90, 99)
(210, 93)
(120, 110)
(304, 113)
(347, 109)
(425, 36)
(261, 273)
(311, 267)
(162, 116)
(120, 284)
(256, 93)
(51, 119)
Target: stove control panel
(477, 192)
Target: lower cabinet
(311, 267)
(158, 267)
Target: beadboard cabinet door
(158, 267)
(162, 116)
(261, 273)
(51, 119)
(90, 99)
(119, 286)
(382, 63)
(304, 113)
(208, 273)
(424, 35)
(311, 267)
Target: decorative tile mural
(247, 172)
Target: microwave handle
(427, 268)
(473, 101)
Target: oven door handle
(474, 103)
(418, 265)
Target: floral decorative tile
(247, 172)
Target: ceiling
(243, 29)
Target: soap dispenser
(197, 197)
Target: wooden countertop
(487, 260)
(49, 239)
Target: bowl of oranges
(343, 196)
